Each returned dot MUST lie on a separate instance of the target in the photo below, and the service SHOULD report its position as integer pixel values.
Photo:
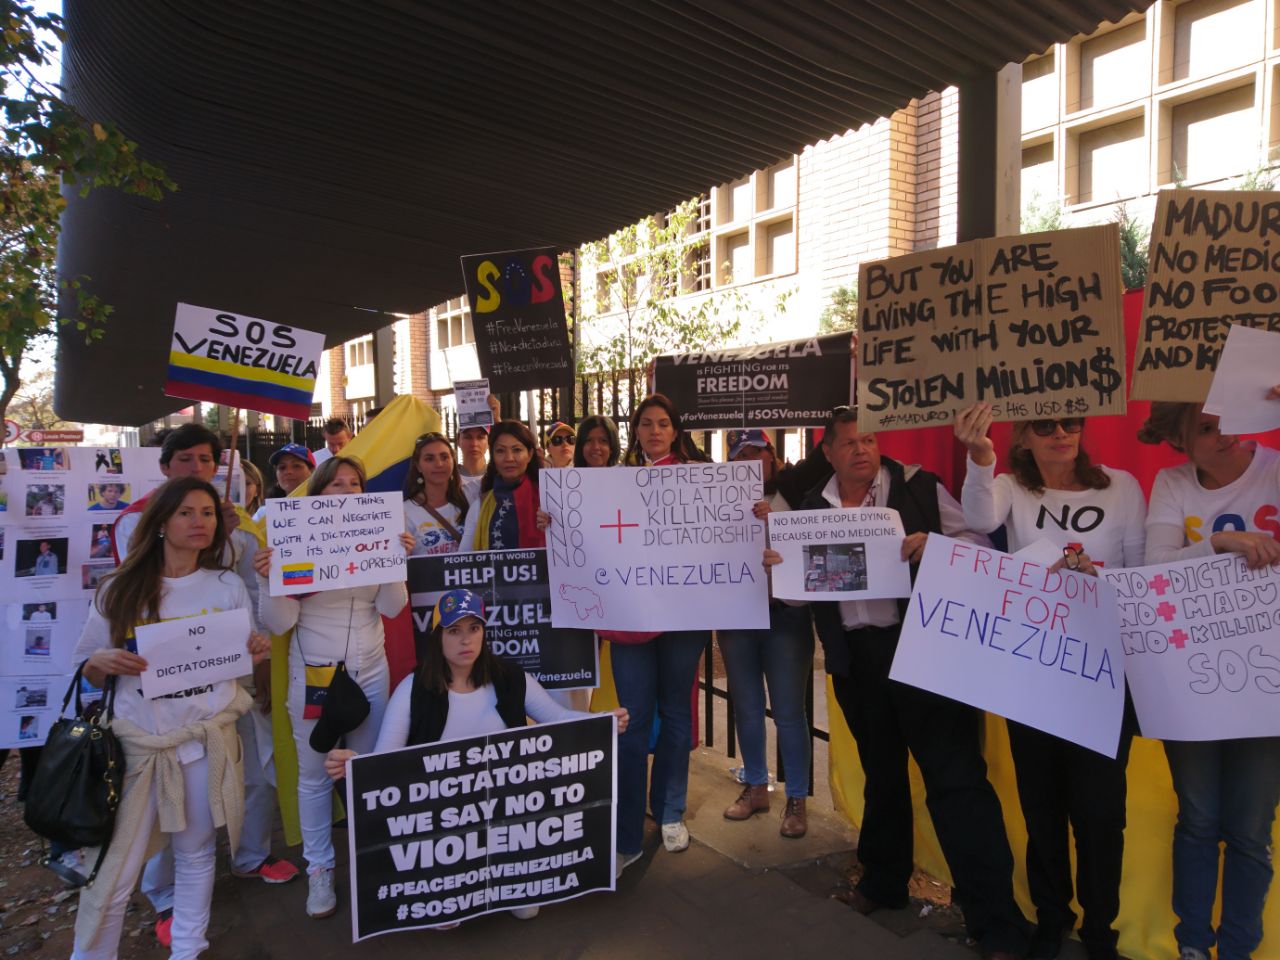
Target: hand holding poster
(472, 397)
(241, 361)
(853, 554)
(194, 651)
(327, 542)
(674, 547)
(1031, 324)
(1005, 635)
(451, 830)
(1202, 648)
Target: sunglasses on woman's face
(1047, 428)
(564, 438)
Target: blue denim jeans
(651, 677)
(1227, 793)
(783, 656)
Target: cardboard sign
(472, 397)
(853, 554)
(329, 542)
(239, 361)
(1202, 648)
(451, 830)
(1213, 263)
(194, 651)
(517, 604)
(1031, 324)
(517, 314)
(792, 384)
(1005, 635)
(1247, 370)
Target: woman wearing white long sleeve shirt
(332, 627)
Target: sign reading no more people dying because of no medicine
(1005, 635)
(674, 547)
(791, 384)
(327, 542)
(194, 651)
(222, 357)
(1031, 324)
(1201, 640)
(853, 554)
(517, 316)
(1214, 261)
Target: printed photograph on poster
(30, 695)
(28, 707)
(29, 727)
(237, 478)
(656, 548)
(851, 554)
(446, 831)
(39, 612)
(91, 574)
(40, 557)
(109, 496)
(472, 397)
(43, 458)
(40, 638)
(107, 461)
(46, 500)
(194, 651)
(100, 542)
(329, 542)
(38, 642)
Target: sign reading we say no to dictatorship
(326, 542)
(1030, 324)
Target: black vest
(429, 710)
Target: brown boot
(794, 820)
(750, 801)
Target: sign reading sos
(514, 283)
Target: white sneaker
(321, 899)
(675, 836)
(524, 913)
(624, 860)
(1191, 953)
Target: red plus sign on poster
(618, 525)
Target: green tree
(48, 145)
(32, 405)
(1135, 240)
(841, 311)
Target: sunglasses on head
(426, 438)
(1047, 428)
(563, 438)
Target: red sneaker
(270, 870)
(164, 928)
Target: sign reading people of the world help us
(1006, 635)
(1201, 640)
(222, 357)
(674, 547)
(450, 830)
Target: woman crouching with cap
(461, 689)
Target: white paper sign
(853, 554)
(1005, 635)
(472, 397)
(1201, 640)
(462, 362)
(1044, 552)
(328, 542)
(656, 548)
(194, 651)
(1248, 368)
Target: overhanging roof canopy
(335, 159)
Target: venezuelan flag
(253, 388)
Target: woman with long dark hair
(506, 515)
(435, 508)
(174, 569)
(598, 444)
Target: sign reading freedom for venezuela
(853, 554)
(327, 542)
(1202, 647)
(220, 357)
(656, 548)
(777, 385)
(517, 315)
(1005, 635)
(517, 606)
(194, 651)
(446, 831)
(1213, 263)
(1030, 324)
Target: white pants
(193, 854)
(315, 789)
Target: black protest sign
(1212, 263)
(451, 830)
(792, 384)
(517, 603)
(1031, 324)
(517, 315)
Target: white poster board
(472, 397)
(656, 548)
(1248, 367)
(1202, 647)
(853, 554)
(1005, 635)
(194, 651)
(328, 542)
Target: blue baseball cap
(293, 450)
(740, 439)
(455, 605)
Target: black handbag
(345, 708)
(76, 789)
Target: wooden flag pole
(231, 460)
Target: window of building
(1039, 91)
(1213, 137)
(360, 351)
(1114, 68)
(453, 323)
(1111, 163)
(1210, 36)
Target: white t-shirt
(429, 536)
(205, 591)
(471, 484)
(1107, 524)
(471, 714)
(1183, 514)
(335, 625)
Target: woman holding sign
(333, 628)
(187, 741)
(435, 507)
(461, 689)
(1224, 499)
(1092, 516)
(506, 515)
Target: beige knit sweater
(151, 765)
